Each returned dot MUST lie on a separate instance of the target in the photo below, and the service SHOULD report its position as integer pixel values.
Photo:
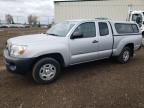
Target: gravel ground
(100, 84)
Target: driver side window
(87, 30)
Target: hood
(35, 39)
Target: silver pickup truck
(69, 43)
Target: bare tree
(9, 19)
(32, 20)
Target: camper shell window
(123, 28)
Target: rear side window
(103, 29)
(126, 28)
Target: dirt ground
(13, 32)
(100, 84)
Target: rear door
(105, 39)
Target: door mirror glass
(76, 35)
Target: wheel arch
(131, 46)
(56, 56)
(143, 34)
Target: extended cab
(69, 43)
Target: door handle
(95, 41)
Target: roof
(137, 11)
(64, 0)
(112, 21)
(74, 0)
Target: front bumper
(18, 65)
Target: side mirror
(138, 20)
(76, 35)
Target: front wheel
(46, 70)
(125, 55)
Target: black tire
(121, 58)
(39, 66)
(143, 34)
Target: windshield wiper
(53, 34)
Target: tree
(9, 19)
(32, 20)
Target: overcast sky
(23, 8)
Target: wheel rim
(47, 72)
(126, 56)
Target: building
(84, 9)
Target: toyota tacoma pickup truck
(69, 43)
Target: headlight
(17, 51)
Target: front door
(84, 48)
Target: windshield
(61, 29)
(136, 16)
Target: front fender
(44, 50)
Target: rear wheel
(46, 70)
(125, 55)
